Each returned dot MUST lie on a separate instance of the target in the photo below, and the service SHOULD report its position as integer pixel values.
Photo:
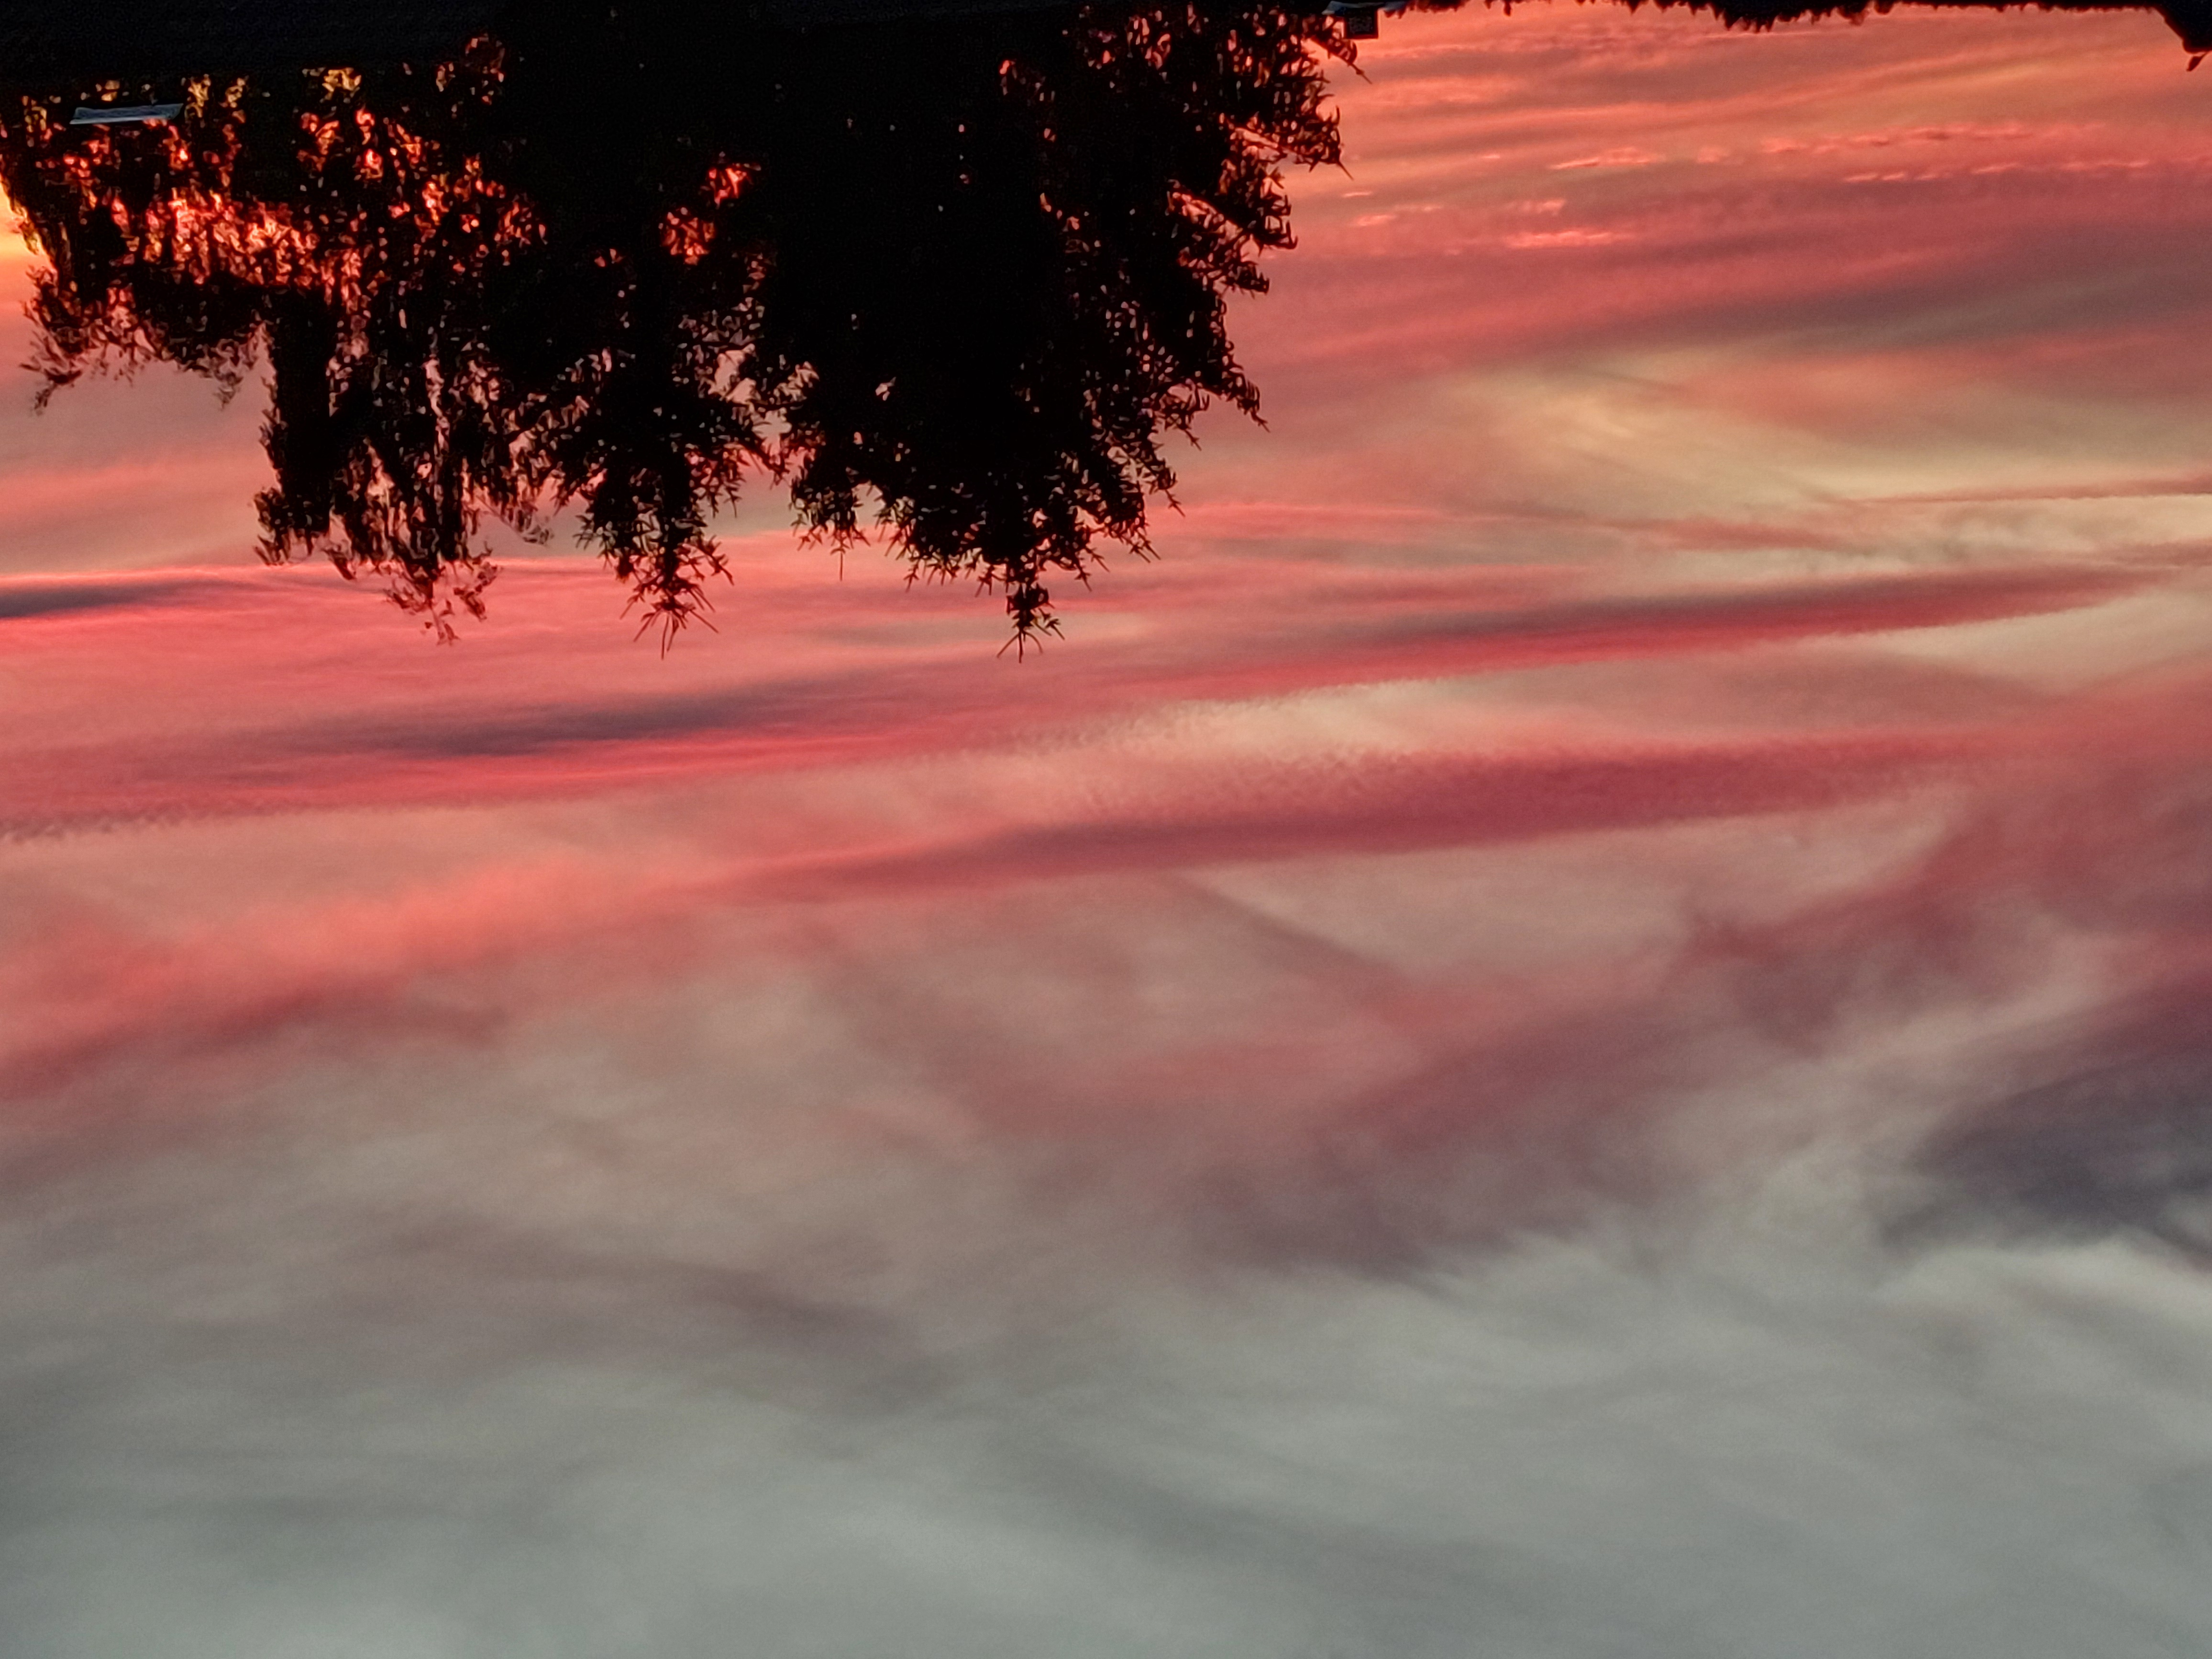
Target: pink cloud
(291, 691)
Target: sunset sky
(1577, 1027)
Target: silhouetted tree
(957, 277)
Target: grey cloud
(1109, 1266)
(2125, 1146)
(807, 704)
(51, 598)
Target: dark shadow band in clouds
(19, 599)
(1415, 643)
(2125, 1146)
(490, 731)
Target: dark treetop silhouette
(959, 273)
(966, 279)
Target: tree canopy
(958, 279)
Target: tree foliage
(955, 279)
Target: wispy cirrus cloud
(429, 724)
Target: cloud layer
(1571, 1030)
